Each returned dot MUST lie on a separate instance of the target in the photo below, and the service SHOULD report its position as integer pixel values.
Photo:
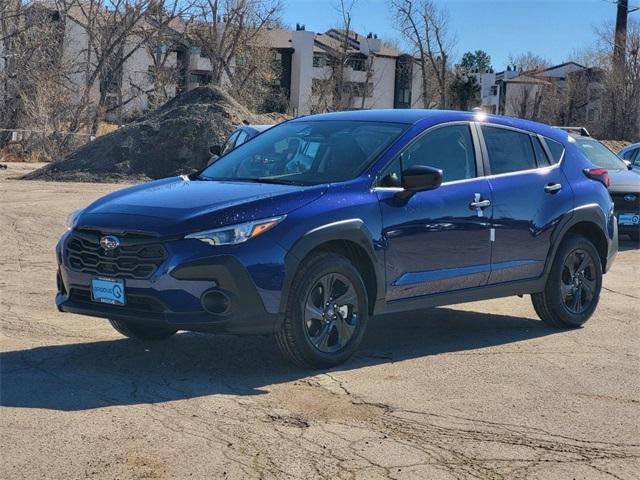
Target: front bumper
(626, 207)
(172, 296)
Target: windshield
(600, 155)
(306, 153)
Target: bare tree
(74, 52)
(232, 35)
(526, 101)
(426, 28)
(528, 62)
(621, 90)
(33, 76)
(113, 31)
(164, 33)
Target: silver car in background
(625, 183)
(631, 154)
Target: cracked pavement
(480, 390)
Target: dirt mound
(171, 140)
(615, 145)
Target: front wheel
(573, 288)
(327, 313)
(142, 332)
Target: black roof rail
(580, 130)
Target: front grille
(622, 205)
(134, 302)
(135, 258)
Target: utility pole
(620, 40)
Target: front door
(438, 240)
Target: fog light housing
(216, 302)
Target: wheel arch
(590, 222)
(349, 238)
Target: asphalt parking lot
(480, 390)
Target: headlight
(72, 219)
(234, 234)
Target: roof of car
(629, 147)
(413, 116)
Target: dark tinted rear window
(509, 150)
(556, 148)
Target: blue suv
(317, 224)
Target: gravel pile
(171, 140)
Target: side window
(509, 151)
(541, 156)
(448, 148)
(636, 159)
(231, 142)
(556, 148)
(243, 137)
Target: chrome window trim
(444, 184)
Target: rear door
(436, 241)
(530, 194)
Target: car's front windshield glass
(306, 153)
(600, 155)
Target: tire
(568, 300)
(141, 332)
(316, 333)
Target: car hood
(176, 206)
(624, 181)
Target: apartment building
(372, 74)
(521, 93)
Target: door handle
(478, 203)
(553, 187)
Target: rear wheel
(573, 288)
(327, 313)
(141, 332)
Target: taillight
(598, 174)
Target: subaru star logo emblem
(109, 243)
(630, 197)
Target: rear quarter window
(556, 149)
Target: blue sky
(553, 29)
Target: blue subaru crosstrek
(317, 224)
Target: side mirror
(629, 164)
(420, 178)
(215, 150)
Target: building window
(318, 61)
(358, 64)
(404, 96)
(200, 78)
(494, 90)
